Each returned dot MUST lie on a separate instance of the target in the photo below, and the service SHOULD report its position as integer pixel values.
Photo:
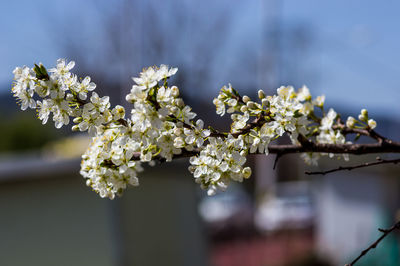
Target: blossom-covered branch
(160, 126)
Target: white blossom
(319, 101)
(118, 112)
(160, 125)
(150, 76)
(304, 94)
(45, 108)
(327, 121)
(83, 87)
(62, 69)
(311, 158)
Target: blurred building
(49, 217)
(351, 206)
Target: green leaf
(235, 92)
(41, 72)
(297, 114)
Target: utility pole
(269, 77)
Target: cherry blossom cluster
(107, 164)
(220, 162)
(288, 112)
(160, 126)
(60, 93)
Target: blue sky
(352, 56)
(358, 50)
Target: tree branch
(364, 132)
(349, 168)
(282, 149)
(373, 245)
(385, 147)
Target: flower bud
(174, 91)
(75, 128)
(243, 108)
(245, 98)
(130, 98)
(179, 102)
(251, 105)
(232, 102)
(77, 120)
(174, 109)
(364, 112)
(178, 131)
(372, 123)
(261, 94)
(69, 97)
(350, 122)
(265, 103)
(364, 115)
(246, 172)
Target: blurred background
(346, 50)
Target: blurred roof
(33, 166)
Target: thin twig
(364, 132)
(373, 245)
(349, 168)
(278, 156)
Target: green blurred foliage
(22, 131)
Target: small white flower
(62, 69)
(118, 112)
(26, 99)
(285, 92)
(45, 108)
(327, 121)
(239, 121)
(149, 77)
(102, 103)
(304, 94)
(186, 114)
(83, 87)
(220, 106)
(310, 158)
(319, 101)
(164, 72)
(136, 94)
